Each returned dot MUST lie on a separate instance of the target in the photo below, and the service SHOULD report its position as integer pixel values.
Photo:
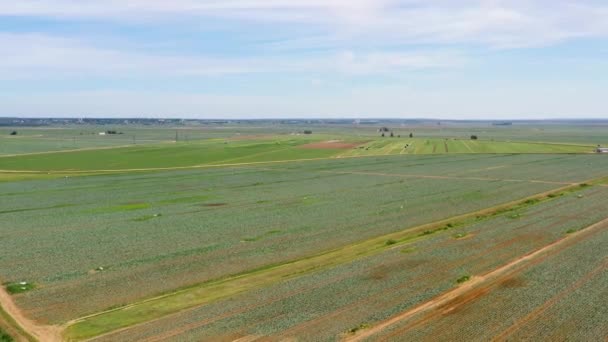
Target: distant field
(443, 146)
(171, 155)
(262, 149)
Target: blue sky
(454, 59)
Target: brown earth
(476, 287)
(333, 144)
(43, 333)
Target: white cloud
(495, 23)
(38, 55)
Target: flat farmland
(336, 303)
(400, 145)
(86, 244)
(168, 155)
(559, 296)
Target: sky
(445, 59)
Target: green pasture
(170, 155)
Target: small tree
(411, 135)
(473, 137)
(14, 133)
(382, 134)
(307, 131)
(392, 135)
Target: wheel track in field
(370, 242)
(303, 327)
(52, 333)
(552, 301)
(43, 333)
(474, 288)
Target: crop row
(328, 304)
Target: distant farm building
(602, 150)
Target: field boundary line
(474, 282)
(78, 150)
(205, 166)
(246, 281)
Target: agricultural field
(398, 278)
(250, 232)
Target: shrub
(473, 137)
(359, 327)
(19, 287)
(390, 242)
(4, 337)
(463, 279)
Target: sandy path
(43, 333)
(472, 285)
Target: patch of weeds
(463, 279)
(390, 242)
(4, 337)
(571, 230)
(426, 232)
(584, 185)
(407, 250)
(19, 287)
(460, 235)
(531, 201)
(359, 327)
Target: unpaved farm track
(476, 287)
(43, 333)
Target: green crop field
(251, 231)
(398, 278)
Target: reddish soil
(340, 145)
(41, 332)
(476, 287)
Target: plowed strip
(41, 332)
(470, 288)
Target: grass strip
(157, 307)
(15, 327)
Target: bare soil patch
(332, 144)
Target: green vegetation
(266, 276)
(358, 328)
(4, 337)
(19, 287)
(249, 227)
(463, 279)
